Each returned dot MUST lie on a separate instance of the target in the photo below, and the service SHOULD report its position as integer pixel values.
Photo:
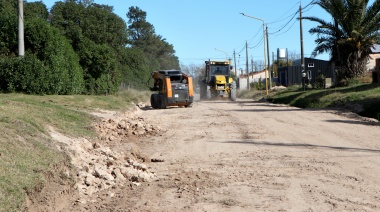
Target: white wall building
(253, 77)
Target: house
(292, 75)
(371, 65)
(374, 63)
(254, 77)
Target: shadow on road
(355, 122)
(303, 145)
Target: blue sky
(212, 29)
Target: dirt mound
(122, 127)
(97, 166)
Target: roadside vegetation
(348, 35)
(360, 98)
(27, 152)
(79, 47)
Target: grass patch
(361, 98)
(251, 94)
(26, 149)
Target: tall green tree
(142, 35)
(66, 16)
(8, 32)
(94, 21)
(351, 34)
(50, 65)
(136, 68)
(95, 33)
(102, 26)
(139, 28)
(35, 10)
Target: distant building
(371, 65)
(374, 63)
(292, 75)
(254, 77)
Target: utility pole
(287, 57)
(265, 66)
(302, 55)
(273, 64)
(246, 63)
(21, 46)
(269, 72)
(265, 60)
(252, 65)
(235, 63)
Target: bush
(259, 85)
(50, 65)
(30, 75)
(320, 81)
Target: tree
(35, 10)
(283, 63)
(66, 16)
(86, 3)
(95, 33)
(350, 36)
(293, 55)
(142, 35)
(99, 62)
(79, 47)
(139, 29)
(8, 32)
(135, 67)
(49, 67)
(196, 71)
(102, 26)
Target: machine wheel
(161, 101)
(154, 100)
(233, 92)
(189, 105)
(202, 90)
(208, 92)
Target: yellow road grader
(217, 81)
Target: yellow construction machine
(217, 81)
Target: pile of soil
(94, 165)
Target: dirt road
(250, 156)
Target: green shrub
(50, 65)
(320, 81)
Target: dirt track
(250, 156)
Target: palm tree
(349, 38)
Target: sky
(200, 30)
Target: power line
(242, 49)
(281, 19)
(258, 31)
(290, 22)
(311, 3)
(295, 21)
(258, 44)
(305, 8)
(294, 15)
